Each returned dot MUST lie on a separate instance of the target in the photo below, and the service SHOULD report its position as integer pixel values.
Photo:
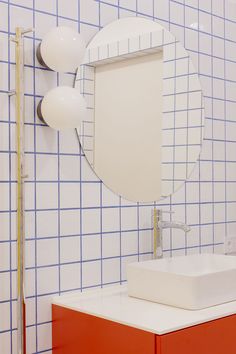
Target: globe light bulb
(62, 49)
(62, 108)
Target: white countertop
(114, 304)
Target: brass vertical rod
(21, 328)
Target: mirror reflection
(143, 130)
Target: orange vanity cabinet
(74, 332)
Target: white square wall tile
(69, 222)
(70, 276)
(107, 14)
(69, 168)
(111, 270)
(47, 223)
(70, 249)
(110, 219)
(46, 6)
(47, 195)
(161, 9)
(48, 280)
(91, 221)
(145, 7)
(70, 195)
(47, 252)
(3, 17)
(46, 167)
(91, 194)
(129, 220)
(89, 11)
(110, 245)
(91, 247)
(91, 273)
(129, 4)
(71, 11)
(129, 243)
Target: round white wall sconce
(61, 50)
(62, 108)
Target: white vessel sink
(190, 282)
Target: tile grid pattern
(79, 234)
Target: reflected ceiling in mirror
(144, 126)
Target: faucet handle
(167, 212)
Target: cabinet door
(215, 337)
(74, 332)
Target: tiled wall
(79, 234)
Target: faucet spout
(174, 225)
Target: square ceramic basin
(190, 282)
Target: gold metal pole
(20, 190)
(19, 98)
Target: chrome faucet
(158, 225)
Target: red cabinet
(214, 337)
(75, 332)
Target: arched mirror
(145, 118)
